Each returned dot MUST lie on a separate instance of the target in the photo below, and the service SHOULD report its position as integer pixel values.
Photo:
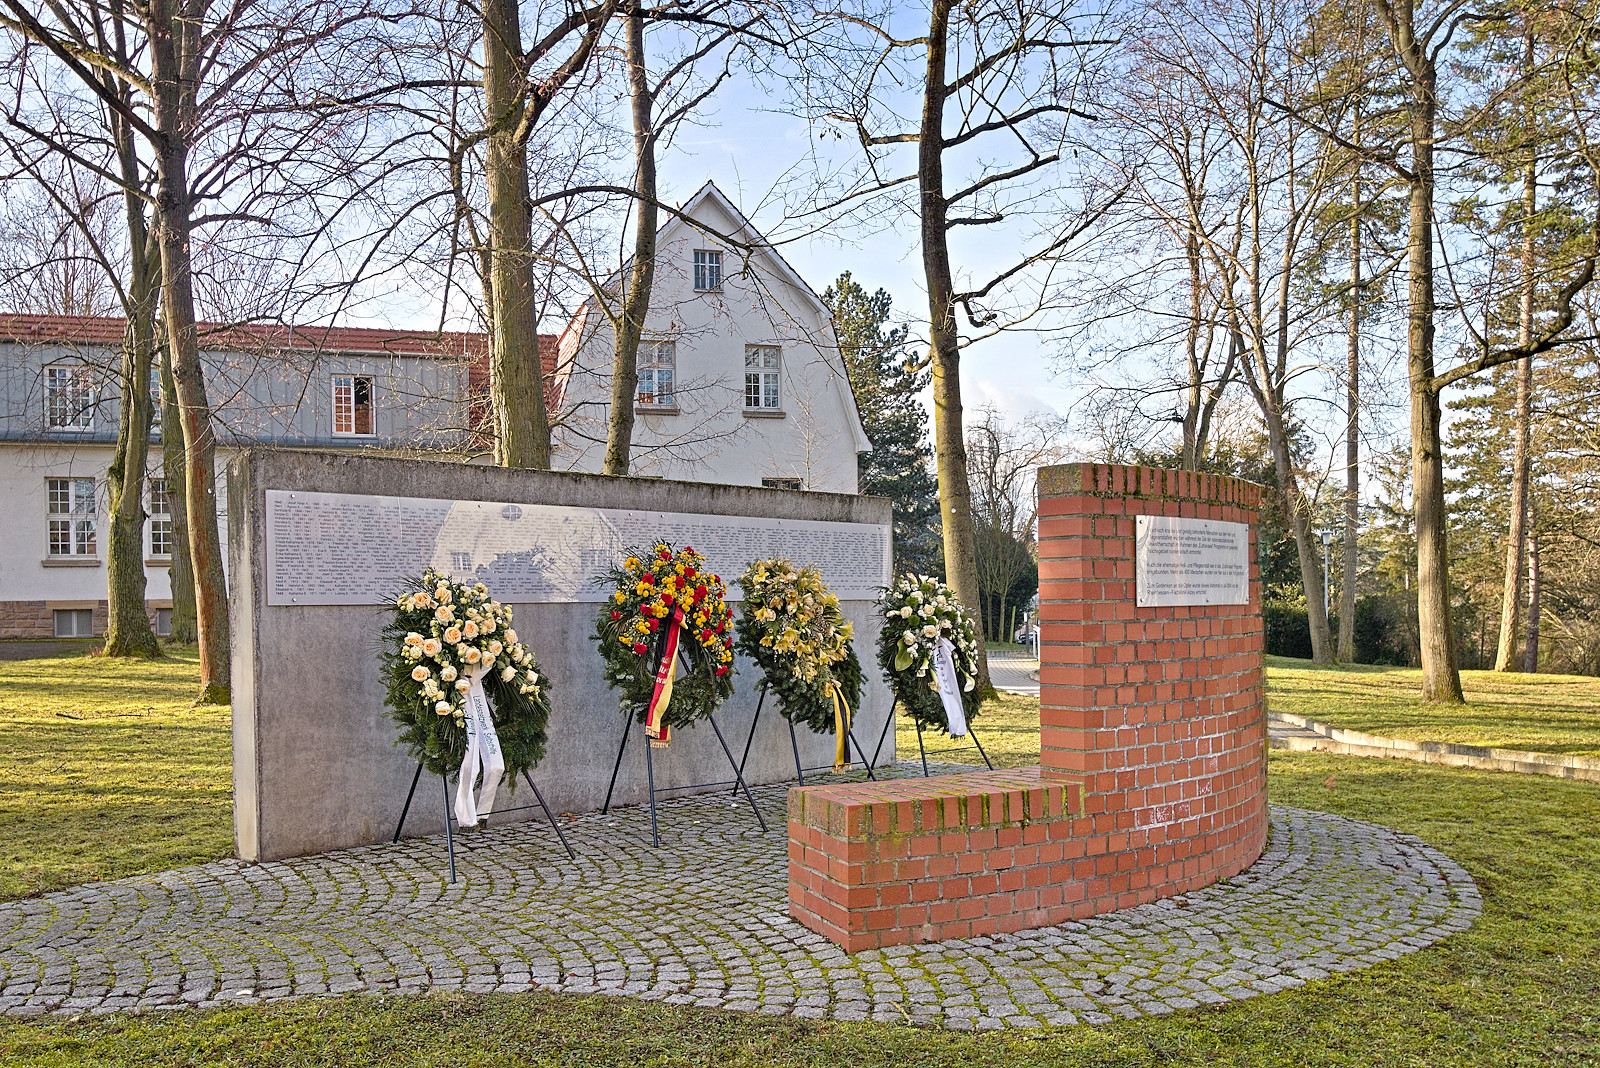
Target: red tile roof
(87, 330)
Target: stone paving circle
(704, 921)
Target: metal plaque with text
(355, 549)
(1190, 561)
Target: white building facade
(740, 377)
(400, 393)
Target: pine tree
(886, 383)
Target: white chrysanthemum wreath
(927, 635)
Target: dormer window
(707, 270)
(352, 406)
(69, 397)
(658, 364)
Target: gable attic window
(658, 362)
(352, 405)
(707, 270)
(69, 397)
(762, 383)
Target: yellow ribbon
(841, 727)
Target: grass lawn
(1521, 988)
(1542, 713)
(106, 770)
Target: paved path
(703, 920)
(1014, 672)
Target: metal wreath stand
(737, 782)
(923, 751)
(449, 817)
(794, 742)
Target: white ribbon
(483, 755)
(944, 672)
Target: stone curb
(1355, 743)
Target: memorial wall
(322, 542)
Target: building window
(352, 405)
(782, 483)
(74, 622)
(155, 400)
(72, 516)
(160, 518)
(461, 563)
(707, 270)
(163, 622)
(761, 392)
(69, 397)
(658, 361)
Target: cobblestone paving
(703, 921)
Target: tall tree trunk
(950, 450)
(1441, 677)
(1192, 444)
(180, 572)
(1521, 458)
(173, 40)
(1352, 440)
(636, 299)
(1530, 650)
(128, 631)
(516, 380)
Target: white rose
(430, 688)
(463, 685)
(420, 673)
(431, 647)
(442, 708)
(413, 638)
(511, 636)
(470, 629)
(930, 631)
(470, 654)
(508, 673)
(495, 648)
(905, 611)
(486, 625)
(449, 673)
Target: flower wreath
(441, 631)
(792, 627)
(918, 611)
(667, 611)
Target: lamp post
(1327, 568)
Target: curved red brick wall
(1157, 712)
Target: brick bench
(919, 860)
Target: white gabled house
(740, 376)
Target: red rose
(654, 625)
(723, 670)
(722, 624)
(616, 615)
(666, 556)
(640, 648)
(689, 572)
(688, 550)
(647, 578)
(666, 598)
(699, 592)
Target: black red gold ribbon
(655, 728)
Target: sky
(745, 147)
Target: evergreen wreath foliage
(793, 628)
(440, 630)
(917, 612)
(649, 586)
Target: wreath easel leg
(979, 744)
(922, 750)
(650, 778)
(551, 816)
(794, 743)
(761, 699)
(883, 734)
(449, 827)
(737, 775)
(406, 808)
(860, 752)
(627, 722)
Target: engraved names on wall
(349, 549)
(1190, 561)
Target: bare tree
(986, 91)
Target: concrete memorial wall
(321, 543)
